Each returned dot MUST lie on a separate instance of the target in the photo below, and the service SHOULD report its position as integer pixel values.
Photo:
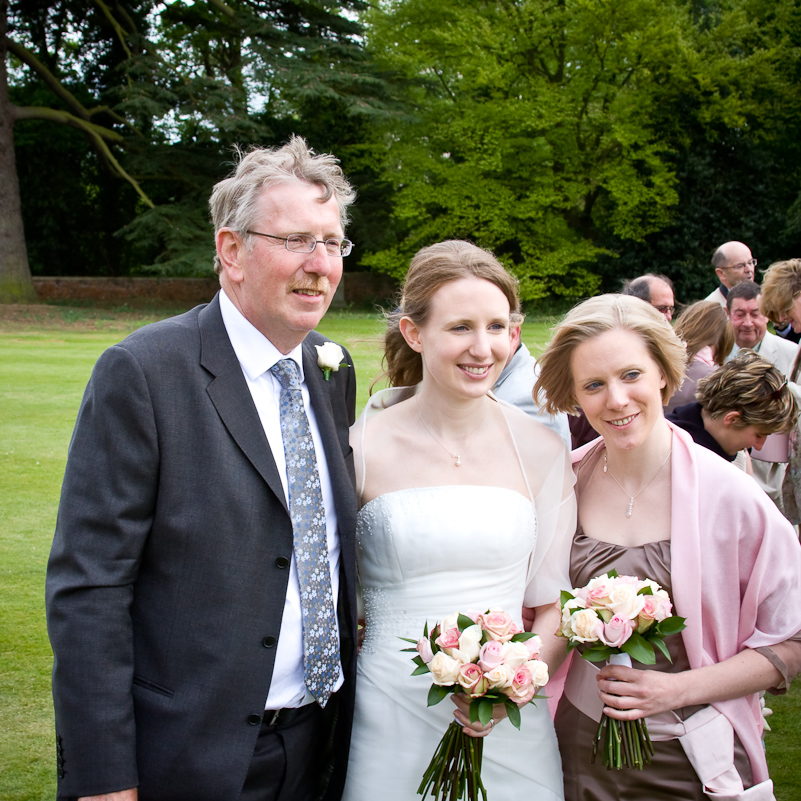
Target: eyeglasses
(665, 309)
(743, 264)
(306, 243)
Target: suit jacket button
(254, 720)
(268, 642)
(282, 562)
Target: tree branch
(118, 29)
(97, 133)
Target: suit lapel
(231, 397)
(320, 395)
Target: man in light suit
(751, 331)
(516, 382)
(173, 600)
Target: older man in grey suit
(751, 331)
(201, 587)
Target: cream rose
(444, 669)
(539, 672)
(470, 643)
(586, 626)
(624, 601)
(515, 654)
(330, 358)
(500, 678)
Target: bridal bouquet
(619, 618)
(488, 659)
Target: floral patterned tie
(320, 645)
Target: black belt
(285, 716)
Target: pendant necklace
(455, 456)
(632, 497)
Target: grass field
(46, 356)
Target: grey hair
(234, 201)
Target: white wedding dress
(425, 553)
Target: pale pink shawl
(735, 558)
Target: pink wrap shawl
(735, 558)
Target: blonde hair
(780, 287)
(592, 318)
(432, 268)
(752, 386)
(706, 323)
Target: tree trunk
(16, 284)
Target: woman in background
(705, 329)
(781, 303)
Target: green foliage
(564, 135)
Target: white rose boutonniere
(330, 357)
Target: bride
(466, 504)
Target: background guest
(707, 333)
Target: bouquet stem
(455, 768)
(626, 742)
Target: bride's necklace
(425, 425)
(633, 497)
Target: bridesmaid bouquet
(619, 618)
(488, 659)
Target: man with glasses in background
(751, 332)
(733, 263)
(654, 289)
(201, 586)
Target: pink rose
(448, 638)
(472, 680)
(617, 631)
(534, 645)
(490, 655)
(655, 608)
(523, 688)
(499, 626)
(424, 649)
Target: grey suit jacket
(168, 573)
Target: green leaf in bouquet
(425, 629)
(483, 710)
(437, 694)
(646, 590)
(513, 713)
(659, 643)
(612, 573)
(523, 636)
(463, 622)
(421, 668)
(637, 647)
(671, 625)
(598, 653)
(408, 639)
(564, 597)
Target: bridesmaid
(653, 504)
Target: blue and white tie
(320, 645)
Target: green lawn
(44, 367)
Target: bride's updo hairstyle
(555, 386)
(432, 268)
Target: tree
(16, 284)
(553, 131)
(163, 91)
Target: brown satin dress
(670, 776)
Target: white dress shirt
(256, 355)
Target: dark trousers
(287, 761)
